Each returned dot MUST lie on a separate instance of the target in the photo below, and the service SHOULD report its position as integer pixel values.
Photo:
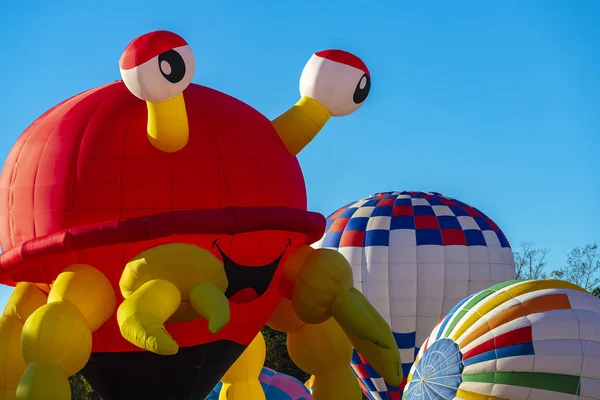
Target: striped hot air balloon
(277, 386)
(517, 340)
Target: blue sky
(494, 103)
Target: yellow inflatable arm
(172, 282)
(56, 339)
(322, 287)
(24, 300)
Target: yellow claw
(378, 346)
(210, 303)
(190, 283)
(386, 362)
(324, 288)
(358, 318)
(325, 274)
(142, 315)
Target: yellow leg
(24, 300)
(57, 338)
(189, 282)
(324, 351)
(241, 382)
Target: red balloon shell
(83, 184)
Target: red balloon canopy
(84, 185)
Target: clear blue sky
(495, 103)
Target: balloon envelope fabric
(414, 256)
(518, 340)
(277, 386)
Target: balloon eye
(157, 66)
(337, 79)
(362, 89)
(172, 66)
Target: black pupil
(175, 71)
(360, 94)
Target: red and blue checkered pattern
(407, 220)
(436, 220)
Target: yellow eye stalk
(333, 83)
(168, 128)
(299, 125)
(157, 69)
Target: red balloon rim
(224, 221)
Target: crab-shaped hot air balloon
(152, 226)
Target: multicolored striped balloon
(518, 340)
(277, 386)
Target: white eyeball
(157, 66)
(337, 79)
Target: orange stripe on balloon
(536, 305)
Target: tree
(278, 357)
(81, 389)
(530, 261)
(582, 268)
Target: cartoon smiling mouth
(247, 283)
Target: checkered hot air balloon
(414, 256)
(518, 340)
